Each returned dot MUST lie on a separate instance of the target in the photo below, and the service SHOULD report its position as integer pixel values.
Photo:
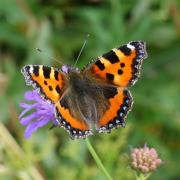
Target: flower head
(145, 159)
(40, 113)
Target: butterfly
(95, 97)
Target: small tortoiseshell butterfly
(96, 96)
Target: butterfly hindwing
(47, 80)
(120, 66)
(76, 127)
(120, 103)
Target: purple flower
(145, 159)
(40, 113)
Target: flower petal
(24, 105)
(32, 96)
(27, 107)
(55, 122)
(31, 128)
(41, 112)
(26, 120)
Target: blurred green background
(59, 27)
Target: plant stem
(97, 159)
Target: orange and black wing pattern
(76, 127)
(120, 66)
(46, 80)
(120, 103)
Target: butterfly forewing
(48, 81)
(120, 66)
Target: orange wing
(48, 81)
(76, 127)
(120, 66)
(119, 106)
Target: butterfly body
(94, 97)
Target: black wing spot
(109, 92)
(110, 76)
(56, 75)
(46, 72)
(58, 89)
(100, 65)
(111, 57)
(36, 70)
(125, 50)
(122, 65)
(120, 71)
(64, 103)
(50, 88)
(45, 82)
(137, 44)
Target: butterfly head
(67, 69)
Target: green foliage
(59, 28)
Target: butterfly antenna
(80, 52)
(41, 51)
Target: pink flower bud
(153, 167)
(145, 159)
(134, 165)
(158, 161)
(144, 169)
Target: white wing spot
(130, 46)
